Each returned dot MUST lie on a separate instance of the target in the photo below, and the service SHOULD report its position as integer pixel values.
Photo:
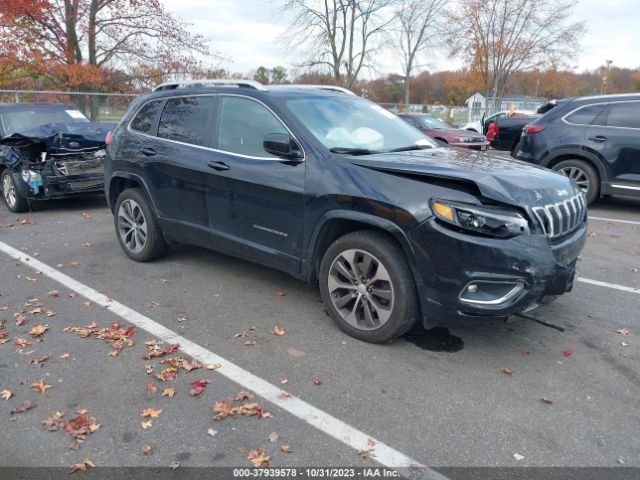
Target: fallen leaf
(568, 352)
(213, 366)
(212, 432)
(87, 244)
(147, 450)
(64, 355)
(284, 396)
(73, 294)
(280, 293)
(38, 330)
(517, 456)
(278, 331)
(54, 422)
(525, 353)
(169, 392)
(181, 318)
(147, 424)
(41, 387)
(39, 361)
(20, 319)
(164, 280)
(154, 305)
(273, 437)
(73, 263)
(250, 343)
(6, 394)
(244, 395)
(284, 381)
(87, 215)
(24, 406)
(240, 334)
(27, 221)
(82, 467)
(317, 381)
(151, 388)
(292, 352)
(259, 458)
(368, 453)
(508, 371)
(371, 442)
(623, 331)
(54, 293)
(198, 386)
(546, 400)
(50, 313)
(624, 344)
(174, 465)
(82, 425)
(285, 449)
(192, 365)
(151, 412)
(414, 466)
(591, 233)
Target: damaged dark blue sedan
(49, 151)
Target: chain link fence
(99, 107)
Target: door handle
(219, 166)
(598, 138)
(148, 152)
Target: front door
(255, 200)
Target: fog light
(487, 292)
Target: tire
(141, 244)
(392, 311)
(514, 149)
(12, 197)
(583, 174)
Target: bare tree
(339, 35)
(503, 37)
(417, 28)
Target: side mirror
(282, 145)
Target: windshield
(355, 123)
(15, 121)
(432, 123)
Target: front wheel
(137, 228)
(367, 287)
(583, 174)
(12, 198)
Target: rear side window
(186, 119)
(624, 115)
(585, 115)
(243, 125)
(146, 117)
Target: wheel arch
(333, 225)
(576, 154)
(121, 181)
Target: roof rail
(218, 82)
(316, 87)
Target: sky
(247, 33)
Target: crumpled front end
(55, 161)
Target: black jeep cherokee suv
(595, 141)
(327, 186)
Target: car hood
(61, 138)
(503, 180)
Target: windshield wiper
(352, 151)
(411, 147)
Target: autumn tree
(502, 37)
(337, 35)
(77, 40)
(417, 27)
(278, 75)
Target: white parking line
(630, 222)
(615, 286)
(315, 417)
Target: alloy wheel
(579, 176)
(9, 190)
(361, 289)
(132, 226)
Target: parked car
(478, 126)
(49, 151)
(442, 131)
(595, 141)
(504, 133)
(330, 187)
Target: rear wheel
(137, 228)
(583, 174)
(12, 198)
(367, 287)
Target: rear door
(615, 135)
(174, 162)
(260, 209)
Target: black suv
(595, 141)
(327, 186)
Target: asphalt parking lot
(468, 396)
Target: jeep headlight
(485, 220)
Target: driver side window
(243, 124)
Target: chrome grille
(558, 219)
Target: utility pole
(605, 76)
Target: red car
(436, 128)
